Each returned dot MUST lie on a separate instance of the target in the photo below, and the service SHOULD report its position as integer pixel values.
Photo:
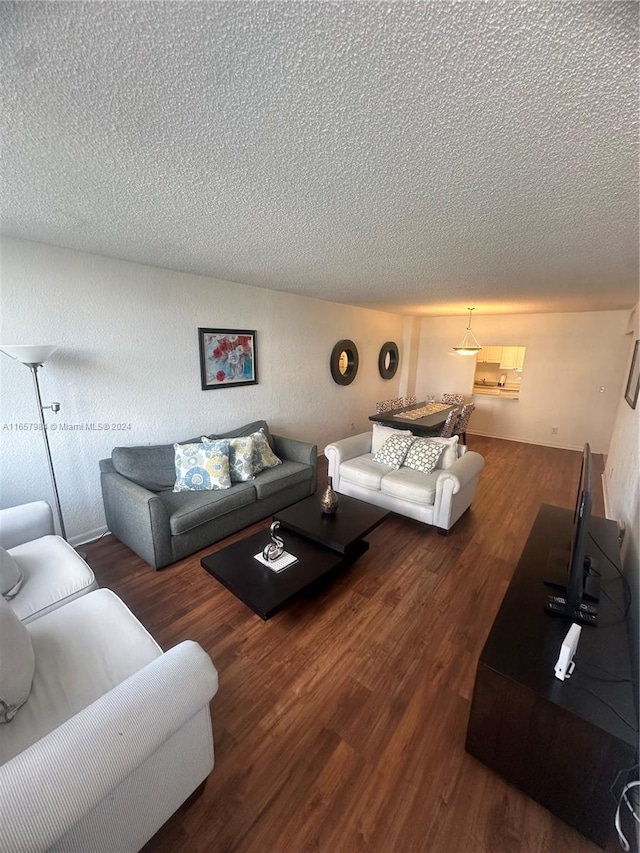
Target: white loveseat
(111, 736)
(438, 498)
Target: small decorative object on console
(329, 500)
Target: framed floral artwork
(227, 358)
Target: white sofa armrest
(67, 773)
(463, 470)
(456, 488)
(347, 448)
(20, 524)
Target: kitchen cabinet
(512, 358)
(491, 354)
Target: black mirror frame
(390, 348)
(353, 361)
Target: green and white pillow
(240, 457)
(202, 467)
(423, 455)
(394, 450)
(263, 455)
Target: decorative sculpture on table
(329, 500)
(273, 555)
(275, 548)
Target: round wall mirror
(388, 360)
(344, 362)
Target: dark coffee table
(343, 532)
(322, 544)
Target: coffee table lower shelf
(264, 590)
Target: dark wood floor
(340, 724)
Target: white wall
(569, 356)
(129, 355)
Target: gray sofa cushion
(247, 429)
(280, 478)
(187, 510)
(153, 466)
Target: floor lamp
(34, 357)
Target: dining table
(423, 419)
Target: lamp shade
(30, 354)
(469, 345)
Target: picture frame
(633, 382)
(228, 358)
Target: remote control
(559, 608)
(586, 608)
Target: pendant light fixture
(469, 344)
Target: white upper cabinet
(492, 354)
(512, 358)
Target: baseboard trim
(88, 536)
(530, 441)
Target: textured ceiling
(409, 156)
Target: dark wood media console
(561, 742)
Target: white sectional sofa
(104, 735)
(53, 573)
(438, 498)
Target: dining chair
(450, 424)
(411, 400)
(397, 403)
(463, 421)
(453, 399)
(383, 406)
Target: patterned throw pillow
(240, 457)
(263, 455)
(381, 433)
(423, 455)
(450, 454)
(202, 467)
(394, 450)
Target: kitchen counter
(487, 390)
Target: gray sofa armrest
(297, 451)
(136, 516)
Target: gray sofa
(163, 526)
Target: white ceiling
(417, 157)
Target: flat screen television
(579, 582)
